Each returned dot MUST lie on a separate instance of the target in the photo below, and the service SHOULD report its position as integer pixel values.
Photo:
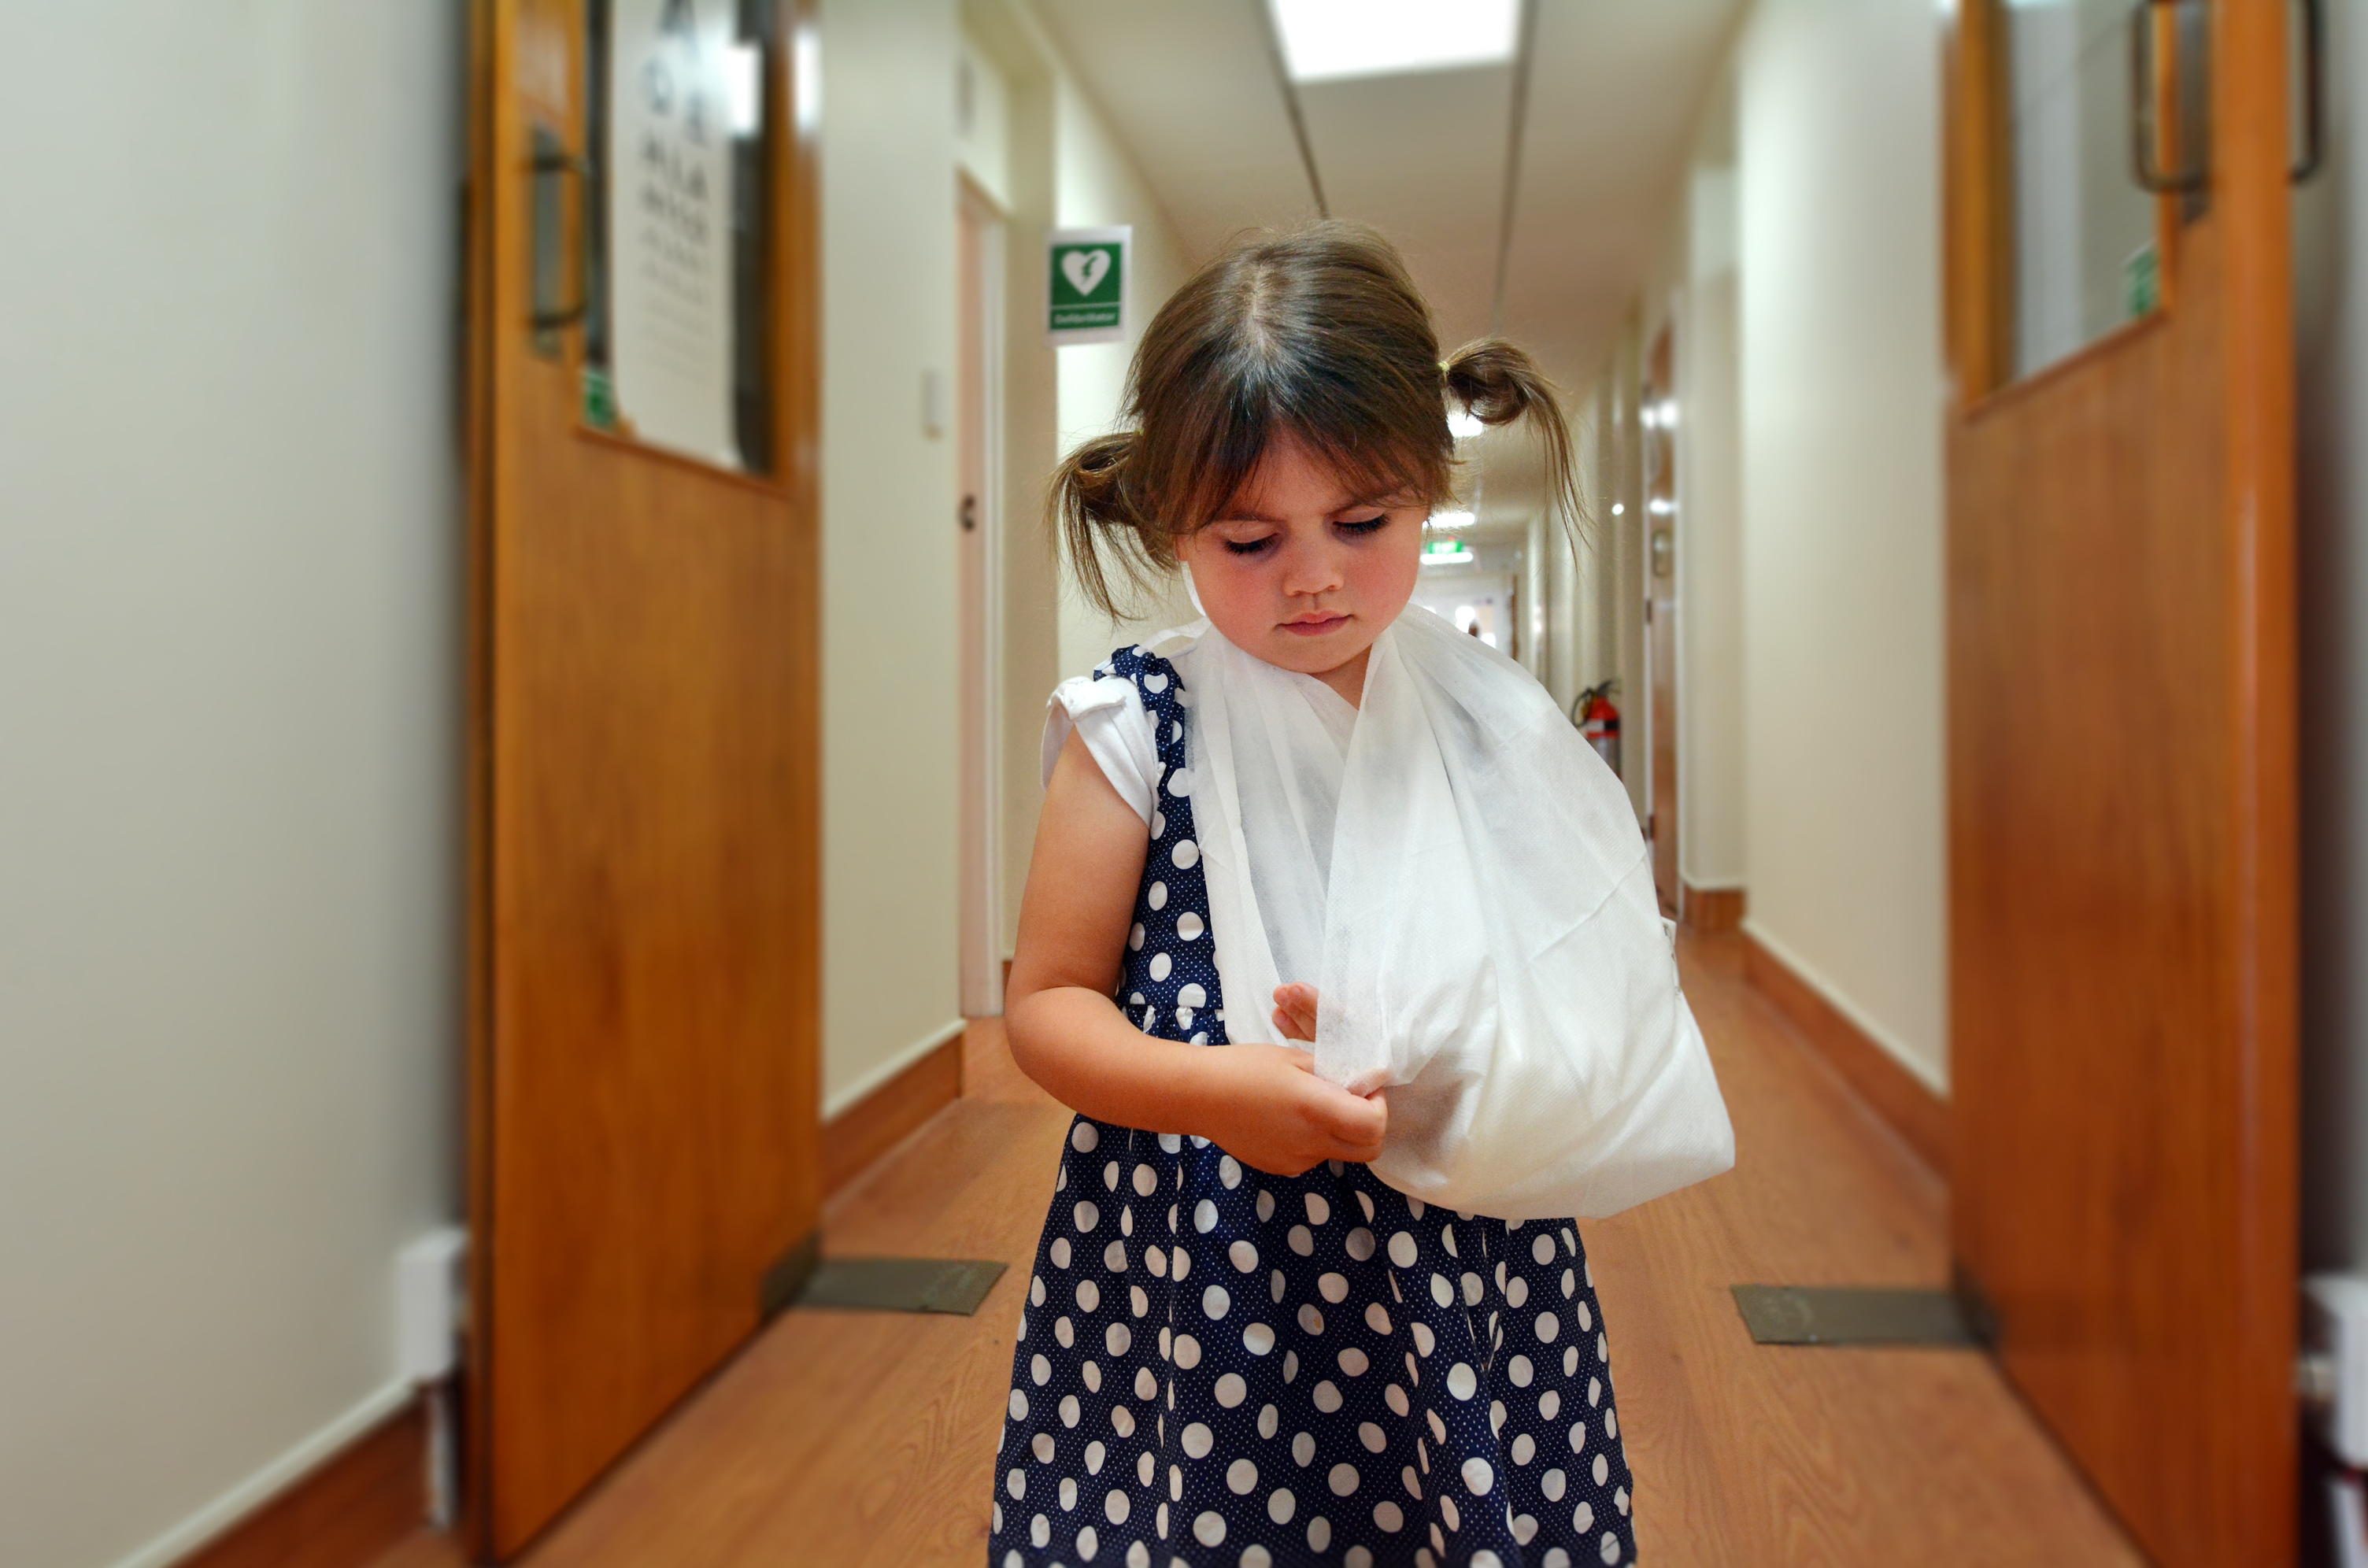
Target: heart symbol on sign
(1085, 268)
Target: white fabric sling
(1462, 880)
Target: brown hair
(1320, 333)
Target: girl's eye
(1364, 526)
(1249, 547)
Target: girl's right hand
(1275, 1115)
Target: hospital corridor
(1744, 608)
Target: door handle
(2314, 91)
(2146, 125)
(551, 164)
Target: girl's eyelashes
(1364, 526)
(1249, 547)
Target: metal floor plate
(1792, 1314)
(901, 1284)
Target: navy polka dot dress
(1221, 1368)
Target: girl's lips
(1314, 626)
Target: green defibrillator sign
(1087, 287)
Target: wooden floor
(845, 1439)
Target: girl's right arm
(1263, 1103)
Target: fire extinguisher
(1599, 720)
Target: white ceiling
(1615, 89)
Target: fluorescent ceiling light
(1463, 425)
(1447, 522)
(1327, 40)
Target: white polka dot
(1269, 1421)
(1327, 1396)
(1088, 1543)
(1583, 1516)
(1388, 1517)
(1117, 1337)
(1156, 1261)
(1360, 1243)
(1517, 1292)
(1282, 1505)
(1018, 1405)
(1199, 1441)
(1310, 1320)
(1586, 1318)
(1611, 1423)
(1402, 1250)
(1319, 1537)
(1114, 1257)
(1303, 1450)
(1159, 895)
(1188, 1351)
(1446, 1508)
(1204, 1217)
(1060, 1252)
(1154, 683)
(1602, 1472)
(1123, 1420)
(1343, 1480)
(1179, 781)
(1159, 1519)
(1016, 1485)
(1611, 1553)
(1290, 1366)
(1245, 1257)
(1159, 824)
(1231, 1390)
(1549, 1404)
(1229, 1169)
(1525, 1449)
(1354, 1361)
(1189, 927)
(1396, 1398)
(1136, 1301)
(1087, 1216)
(1214, 1301)
(1160, 964)
(1146, 1385)
(1461, 1381)
(1569, 1284)
(1520, 1372)
(1333, 1287)
(1186, 855)
(1068, 1493)
(1542, 1249)
(1069, 1410)
(1135, 936)
(1477, 1477)
(1376, 1319)
(1040, 1370)
(1442, 1291)
(1039, 1530)
(1241, 1477)
(1496, 1416)
(1192, 996)
(1302, 1240)
(1258, 1339)
(1602, 1349)
(1570, 1361)
(1257, 1557)
(1209, 1530)
(1424, 1339)
(1548, 1327)
(1552, 1484)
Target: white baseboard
(274, 1478)
(836, 1100)
(1922, 1072)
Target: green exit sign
(1087, 284)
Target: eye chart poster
(670, 224)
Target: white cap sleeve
(1109, 713)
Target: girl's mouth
(1316, 624)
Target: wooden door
(1660, 437)
(643, 1072)
(2120, 763)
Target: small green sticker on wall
(2142, 281)
(1086, 285)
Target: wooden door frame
(981, 927)
(496, 245)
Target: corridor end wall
(1838, 171)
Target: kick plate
(1792, 1314)
(901, 1284)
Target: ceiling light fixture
(1331, 40)
(1448, 522)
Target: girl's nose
(1309, 570)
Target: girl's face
(1302, 574)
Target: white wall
(229, 719)
(1839, 167)
(1099, 186)
(2331, 310)
(890, 742)
(1710, 796)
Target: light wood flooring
(847, 1439)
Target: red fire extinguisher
(1599, 720)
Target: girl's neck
(1349, 679)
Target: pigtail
(1094, 506)
(1499, 384)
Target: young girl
(1239, 1345)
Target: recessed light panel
(1329, 41)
